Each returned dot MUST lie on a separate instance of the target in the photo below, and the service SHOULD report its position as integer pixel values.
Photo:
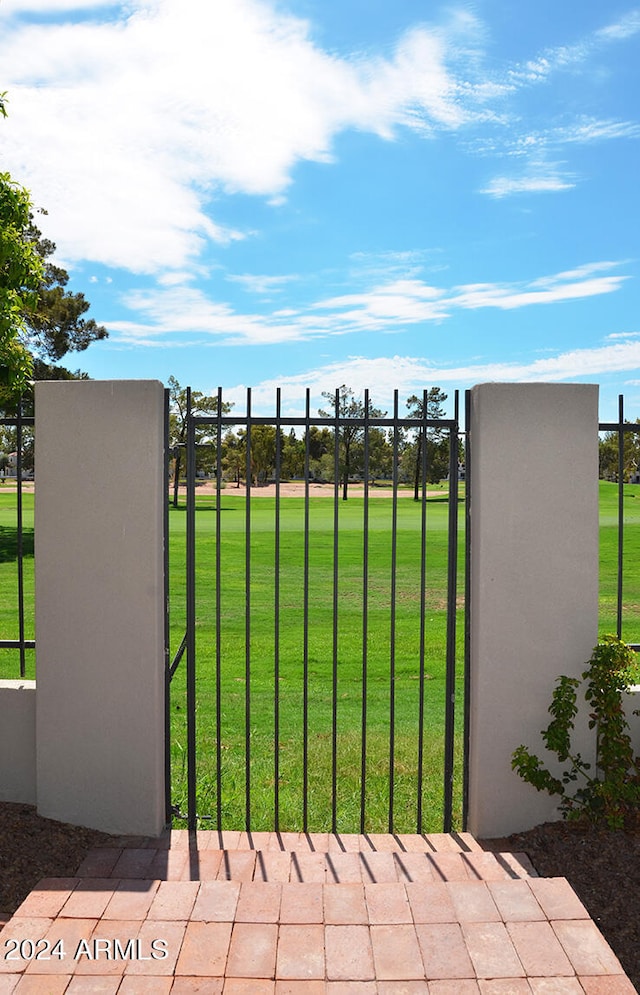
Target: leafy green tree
(262, 456)
(39, 319)
(320, 445)
(56, 325)
(608, 457)
(9, 446)
(380, 453)
(200, 404)
(262, 452)
(437, 454)
(348, 408)
(608, 454)
(292, 456)
(234, 457)
(21, 272)
(320, 441)
(323, 469)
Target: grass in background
(609, 561)
(320, 655)
(320, 651)
(9, 626)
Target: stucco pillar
(100, 604)
(534, 582)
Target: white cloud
(9, 7)
(410, 374)
(579, 273)
(261, 284)
(626, 27)
(403, 301)
(183, 311)
(151, 110)
(572, 365)
(571, 57)
(501, 298)
(412, 301)
(148, 116)
(588, 129)
(177, 311)
(538, 181)
(537, 145)
(176, 278)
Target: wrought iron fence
(17, 639)
(621, 429)
(18, 423)
(192, 643)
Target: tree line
(270, 449)
(608, 454)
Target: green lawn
(320, 663)
(349, 701)
(9, 659)
(609, 561)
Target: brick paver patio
(290, 913)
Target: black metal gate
(277, 588)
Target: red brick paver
(301, 903)
(174, 900)
(301, 914)
(610, 984)
(348, 953)
(396, 953)
(586, 947)
(131, 900)
(444, 953)
(217, 901)
(472, 901)
(515, 901)
(47, 898)
(301, 952)
(345, 904)
(491, 950)
(431, 903)
(252, 953)
(204, 949)
(259, 902)
(387, 903)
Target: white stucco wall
(99, 604)
(18, 741)
(534, 581)
(631, 704)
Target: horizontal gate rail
(394, 425)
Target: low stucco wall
(631, 704)
(18, 741)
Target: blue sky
(306, 193)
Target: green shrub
(610, 794)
